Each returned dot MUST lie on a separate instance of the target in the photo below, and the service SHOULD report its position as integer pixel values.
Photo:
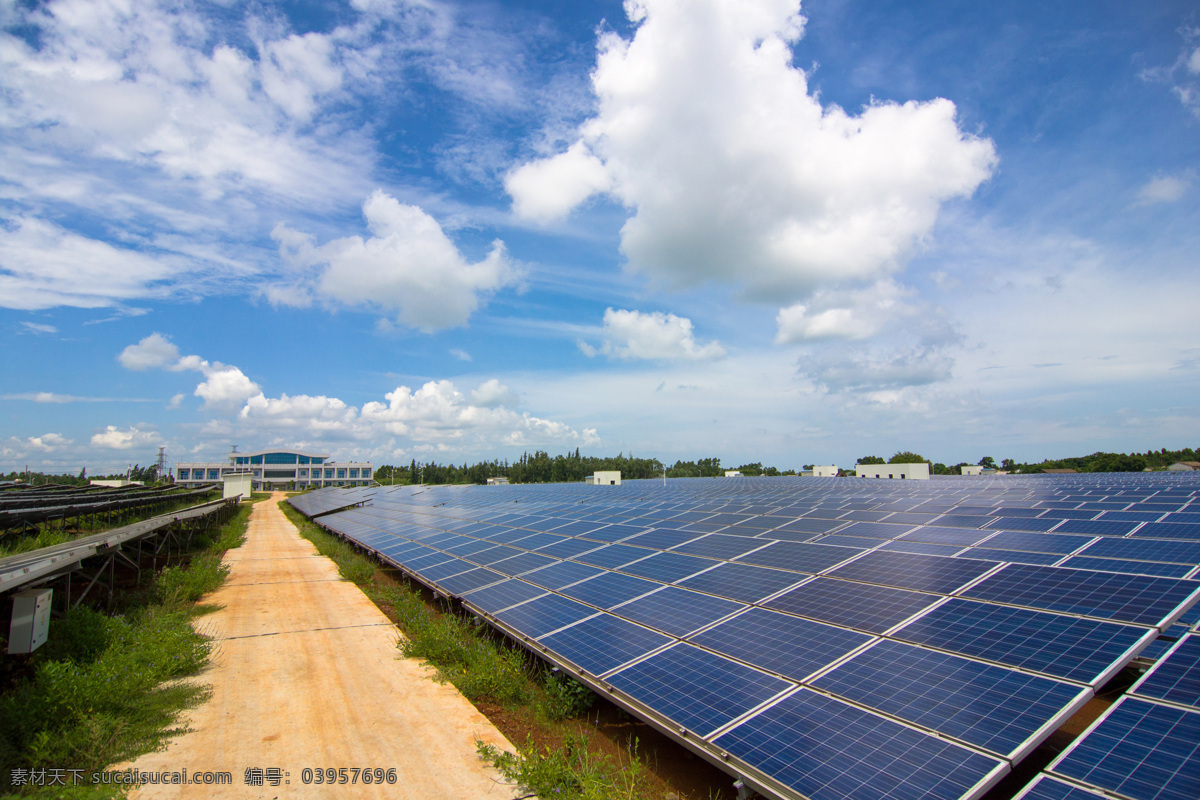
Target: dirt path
(305, 674)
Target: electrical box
(30, 620)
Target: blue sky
(448, 231)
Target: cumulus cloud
(734, 172)
(492, 393)
(114, 438)
(841, 370)
(654, 336)
(48, 442)
(408, 267)
(224, 388)
(845, 314)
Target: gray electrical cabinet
(30, 620)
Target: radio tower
(161, 472)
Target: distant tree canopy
(871, 460)
(906, 457)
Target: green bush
(569, 772)
(564, 697)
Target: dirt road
(305, 675)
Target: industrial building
(912, 472)
(278, 469)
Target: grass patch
(486, 669)
(107, 689)
(572, 771)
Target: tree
(1008, 465)
(871, 460)
(987, 462)
(905, 457)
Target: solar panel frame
(1175, 678)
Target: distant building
(612, 478)
(972, 469)
(733, 473)
(912, 472)
(497, 481)
(825, 472)
(116, 483)
(1184, 466)
(277, 469)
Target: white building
(969, 469)
(277, 469)
(732, 473)
(612, 478)
(824, 472)
(912, 472)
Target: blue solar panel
(1141, 750)
(438, 572)
(610, 589)
(467, 581)
(668, 567)
(522, 563)
(616, 532)
(569, 548)
(1146, 550)
(875, 530)
(1123, 565)
(1068, 647)
(963, 521)
(677, 611)
(1013, 556)
(1046, 787)
(1177, 677)
(825, 749)
(809, 525)
(1171, 530)
(544, 614)
(923, 548)
(603, 643)
(661, 540)
(717, 545)
(1097, 527)
(798, 556)
(498, 553)
(742, 581)
(869, 608)
(699, 690)
(792, 647)
(995, 708)
(562, 573)
(1036, 542)
(613, 556)
(1023, 524)
(954, 536)
(503, 595)
(912, 571)
(1132, 598)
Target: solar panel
(937, 535)
(502, 595)
(1132, 598)
(1138, 749)
(544, 614)
(1176, 677)
(1127, 565)
(469, 580)
(999, 709)
(661, 540)
(677, 611)
(875, 530)
(524, 562)
(1096, 527)
(610, 589)
(1013, 556)
(797, 556)
(1171, 530)
(1046, 787)
(698, 690)
(789, 646)
(603, 643)
(1023, 523)
(1036, 542)
(743, 582)
(1146, 550)
(869, 608)
(912, 571)
(562, 573)
(1069, 647)
(668, 567)
(825, 749)
(904, 546)
(718, 545)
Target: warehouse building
(278, 469)
(912, 472)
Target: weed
(564, 697)
(570, 772)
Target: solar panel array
(836, 638)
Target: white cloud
(841, 314)
(1165, 189)
(408, 267)
(225, 388)
(1183, 76)
(39, 328)
(45, 265)
(113, 438)
(153, 352)
(734, 172)
(656, 336)
(460, 354)
(49, 442)
(492, 393)
(312, 414)
(176, 401)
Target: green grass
(570, 772)
(106, 689)
(485, 668)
